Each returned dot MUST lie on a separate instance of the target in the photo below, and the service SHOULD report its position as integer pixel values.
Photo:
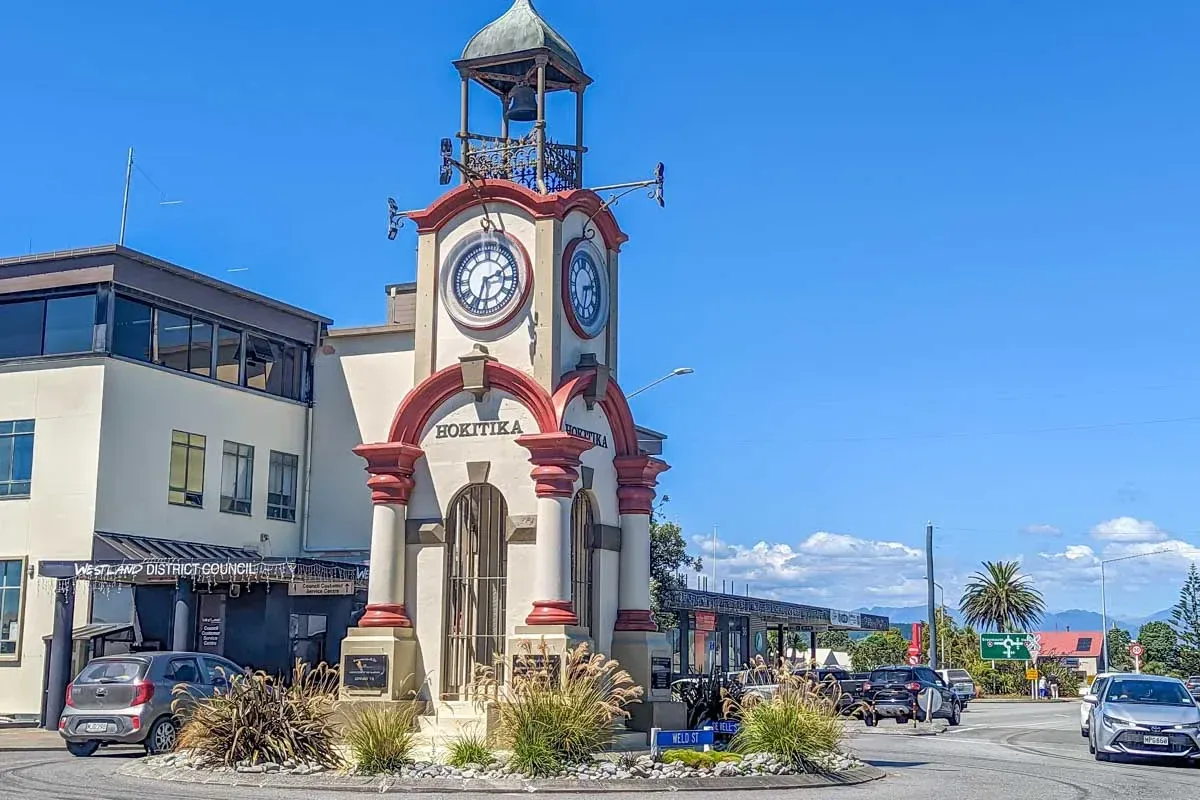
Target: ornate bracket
(655, 185)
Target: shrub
(697, 759)
(471, 748)
(550, 721)
(797, 724)
(381, 737)
(259, 720)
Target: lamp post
(675, 373)
(1103, 605)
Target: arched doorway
(476, 586)
(583, 526)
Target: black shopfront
(725, 632)
(261, 613)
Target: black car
(894, 691)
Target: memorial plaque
(365, 672)
(524, 665)
(660, 673)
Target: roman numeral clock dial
(485, 280)
(585, 288)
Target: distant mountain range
(1074, 619)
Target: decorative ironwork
(516, 160)
(583, 525)
(655, 185)
(476, 587)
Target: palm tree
(1000, 598)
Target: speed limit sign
(1136, 650)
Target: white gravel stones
(639, 768)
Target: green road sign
(1008, 647)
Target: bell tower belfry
(522, 60)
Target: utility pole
(125, 202)
(714, 575)
(933, 648)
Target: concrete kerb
(386, 785)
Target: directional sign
(1031, 674)
(683, 738)
(1136, 650)
(1008, 647)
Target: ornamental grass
(797, 724)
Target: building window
(237, 478)
(229, 355)
(187, 469)
(16, 458)
(70, 322)
(281, 488)
(133, 324)
(172, 332)
(12, 581)
(21, 329)
(201, 349)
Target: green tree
(1188, 661)
(1185, 616)
(879, 650)
(1117, 649)
(668, 558)
(1000, 598)
(1160, 642)
(836, 640)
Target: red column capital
(636, 478)
(555, 459)
(391, 465)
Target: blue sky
(929, 260)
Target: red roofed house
(1078, 650)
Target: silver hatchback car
(127, 699)
(1143, 715)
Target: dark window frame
(6, 591)
(243, 455)
(278, 506)
(13, 486)
(187, 446)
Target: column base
(379, 665)
(635, 619)
(385, 615)
(646, 656)
(552, 612)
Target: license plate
(1157, 740)
(102, 727)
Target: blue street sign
(727, 726)
(684, 738)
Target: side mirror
(1091, 699)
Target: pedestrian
(1042, 686)
(1054, 687)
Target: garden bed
(636, 775)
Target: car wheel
(1083, 732)
(901, 720)
(955, 716)
(162, 736)
(83, 749)
(1091, 747)
(870, 720)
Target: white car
(1085, 707)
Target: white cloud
(1041, 530)
(1079, 564)
(1128, 529)
(826, 568)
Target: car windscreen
(111, 672)
(892, 676)
(1159, 693)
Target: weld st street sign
(1008, 647)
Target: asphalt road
(1001, 752)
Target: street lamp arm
(672, 374)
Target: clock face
(486, 279)
(585, 289)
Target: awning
(95, 630)
(123, 558)
(123, 546)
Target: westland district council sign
(1009, 646)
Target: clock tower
(512, 495)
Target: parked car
(1085, 709)
(893, 692)
(127, 699)
(1193, 685)
(961, 682)
(1143, 715)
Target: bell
(522, 104)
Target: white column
(386, 586)
(551, 550)
(633, 592)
